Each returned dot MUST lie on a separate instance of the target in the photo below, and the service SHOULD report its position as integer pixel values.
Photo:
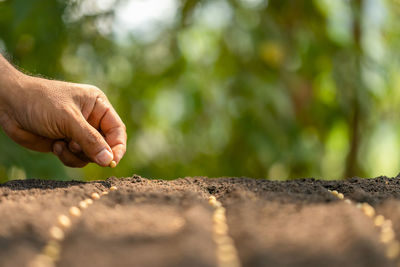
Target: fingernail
(118, 156)
(57, 149)
(76, 147)
(104, 157)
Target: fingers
(106, 119)
(74, 147)
(90, 140)
(42, 144)
(32, 141)
(25, 138)
(69, 159)
(116, 138)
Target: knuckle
(95, 91)
(93, 137)
(94, 88)
(97, 96)
(92, 144)
(91, 91)
(121, 140)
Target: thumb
(91, 141)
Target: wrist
(11, 85)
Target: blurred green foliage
(265, 89)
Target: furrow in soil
(144, 223)
(28, 210)
(285, 225)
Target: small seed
(74, 211)
(89, 201)
(83, 204)
(378, 221)
(368, 210)
(104, 193)
(334, 192)
(221, 229)
(219, 217)
(385, 229)
(52, 250)
(222, 239)
(216, 204)
(228, 259)
(56, 233)
(387, 224)
(113, 188)
(340, 196)
(220, 211)
(347, 201)
(212, 200)
(220, 214)
(393, 250)
(113, 164)
(42, 260)
(64, 221)
(226, 249)
(387, 236)
(95, 196)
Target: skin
(74, 121)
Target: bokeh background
(265, 89)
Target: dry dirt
(170, 223)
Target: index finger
(111, 126)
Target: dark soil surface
(170, 223)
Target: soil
(170, 223)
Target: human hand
(74, 121)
